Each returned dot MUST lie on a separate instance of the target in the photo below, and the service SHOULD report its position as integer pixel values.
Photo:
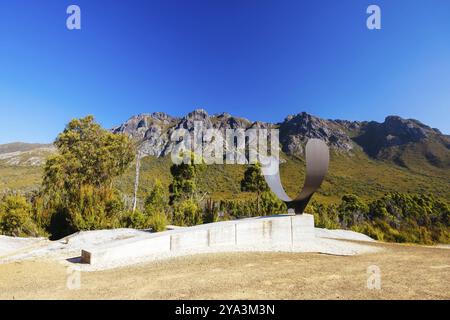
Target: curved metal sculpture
(317, 160)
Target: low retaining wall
(285, 230)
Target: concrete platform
(281, 231)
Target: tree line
(394, 217)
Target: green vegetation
(157, 208)
(394, 217)
(77, 181)
(262, 201)
(254, 181)
(187, 213)
(184, 193)
(19, 179)
(157, 222)
(157, 199)
(185, 181)
(77, 191)
(349, 173)
(16, 217)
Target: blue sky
(261, 59)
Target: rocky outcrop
(153, 131)
(150, 130)
(394, 131)
(297, 129)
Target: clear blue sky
(261, 59)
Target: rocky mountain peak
(227, 121)
(297, 129)
(197, 114)
(161, 116)
(406, 130)
(223, 115)
(395, 131)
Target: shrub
(185, 180)
(95, 208)
(15, 217)
(156, 200)
(187, 213)
(270, 204)
(157, 222)
(254, 181)
(136, 220)
(352, 210)
(324, 216)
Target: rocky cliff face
(296, 130)
(394, 131)
(153, 131)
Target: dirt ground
(407, 272)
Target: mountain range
(367, 157)
(395, 139)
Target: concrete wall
(285, 230)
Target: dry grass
(407, 272)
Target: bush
(185, 180)
(370, 230)
(352, 210)
(95, 208)
(136, 220)
(324, 216)
(157, 222)
(15, 217)
(270, 204)
(187, 213)
(157, 199)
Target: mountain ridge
(386, 140)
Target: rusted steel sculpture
(317, 160)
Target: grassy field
(19, 178)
